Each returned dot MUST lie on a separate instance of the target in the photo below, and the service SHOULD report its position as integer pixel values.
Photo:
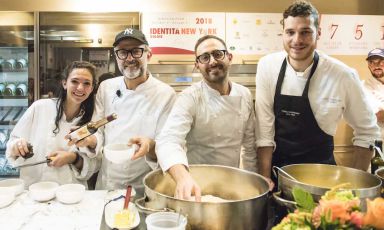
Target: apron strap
(313, 69)
(282, 74)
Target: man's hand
(264, 161)
(185, 184)
(145, 146)
(380, 116)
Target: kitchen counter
(25, 213)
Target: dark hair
(302, 9)
(88, 105)
(206, 37)
(105, 76)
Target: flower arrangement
(338, 209)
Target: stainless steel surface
(34, 163)
(277, 170)
(36, 57)
(291, 205)
(319, 178)
(181, 74)
(247, 192)
(380, 173)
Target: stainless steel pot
(319, 178)
(247, 192)
(380, 174)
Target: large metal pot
(319, 178)
(247, 192)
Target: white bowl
(70, 193)
(43, 191)
(166, 220)
(17, 185)
(7, 196)
(119, 153)
(115, 206)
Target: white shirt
(140, 112)
(36, 126)
(334, 91)
(375, 92)
(205, 127)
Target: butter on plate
(115, 207)
(124, 218)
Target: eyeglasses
(122, 54)
(206, 57)
(377, 62)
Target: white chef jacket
(334, 91)
(36, 126)
(140, 112)
(205, 127)
(375, 92)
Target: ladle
(283, 172)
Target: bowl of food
(113, 211)
(7, 196)
(70, 193)
(43, 191)
(119, 153)
(17, 185)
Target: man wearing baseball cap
(374, 84)
(142, 104)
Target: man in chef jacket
(210, 122)
(374, 84)
(301, 95)
(142, 104)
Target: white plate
(119, 192)
(115, 206)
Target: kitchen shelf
(24, 70)
(6, 169)
(13, 97)
(10, 115)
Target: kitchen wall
(375, 7)
(353, 7)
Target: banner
(177, 33)
(254, 33)
(351, 34)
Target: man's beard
(378, 76)
(129, 74)
(217, 78)
(133, 74)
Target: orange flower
(335, 210)
(375, 213)
(357, 218)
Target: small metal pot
(319, 178)
(380, 173)
(246, 191)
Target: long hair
(87, 106)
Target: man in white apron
(142, 104)
(210, 122)
(301, 95)
(374, 84)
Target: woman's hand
(61, 158)
(20, 148)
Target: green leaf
(303, 199)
